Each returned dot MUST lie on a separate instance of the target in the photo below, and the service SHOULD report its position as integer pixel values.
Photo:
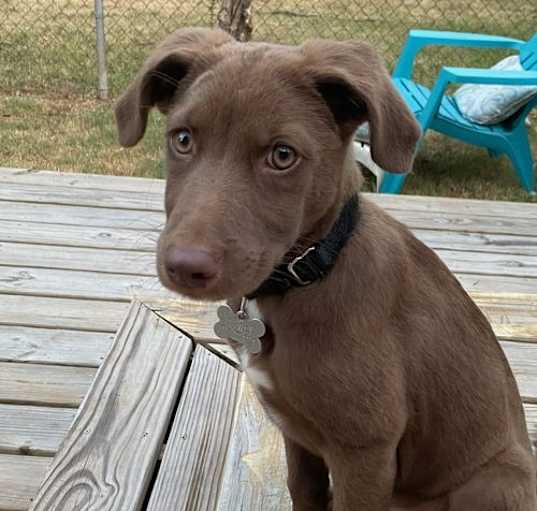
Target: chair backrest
(528, 54)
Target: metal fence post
(102, 90)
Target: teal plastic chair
(438, 111)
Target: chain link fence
(50, 46)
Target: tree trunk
(235, 17)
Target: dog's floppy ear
(184, 52)
(355, 84)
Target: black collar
(315, 262)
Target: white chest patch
(256, 376)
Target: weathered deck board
(255, 472)
(108, 457)
(194, 317)
(191, 468)
(485, 263)
(62, 313)
(474, 282)
(77, 180)
(33, 430)
(405, 202)
(126, 262)
(477, 242)
(91, 197)
(34, 384)
(523, 361)
(76, 284)
(151, 201)
(77, 236)
(53, 346)
(81, 215)
(20, 477)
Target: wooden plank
(224, 351)
(19, 480)
(79, 180)
(443, 221)
(76, 236)
(143, 200)
(53, 346)
(77, 284)
(255, 471)
(435, 205)
(82, 215)
(61, 313)
(478, 242)
(510, 314)
(107, 459)
(194, 317)
(531, 421)
(33, 430)
(523, 361)
(474, 282)
(126, 262)
(484, 263)
(191, 469)
(35, 384)
(502, 209)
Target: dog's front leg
(363, 479)
(307, 478)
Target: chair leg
(520, 155)
(391, 183)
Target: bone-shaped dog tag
(237, 327)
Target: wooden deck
(77, 268)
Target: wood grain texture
(33, 430)
(404, 202)
(523, 361)
(191, 469)
(53, 346)
(531, 421)
(512, 315)
(141, 200)
(35, 384)
(224, 351)
(255, 471)
(477, 242)
(428, 205)
(19, 480)
(61, 313)
(126, 262)
(79, 180)
(82, 215)
(77, 236)
(474, 282)
(485, 263)
(76, 284)
(107, 459)
(194, 317)
(467, 222)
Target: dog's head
(257, 148)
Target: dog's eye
(182, 141)
(282, 157)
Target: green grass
(49, 119)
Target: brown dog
(383, 373)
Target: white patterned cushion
(490, 104)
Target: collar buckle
(293, 272)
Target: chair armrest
(418, 39)
(488, 77)
(449, 75)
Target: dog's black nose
(189, 267)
